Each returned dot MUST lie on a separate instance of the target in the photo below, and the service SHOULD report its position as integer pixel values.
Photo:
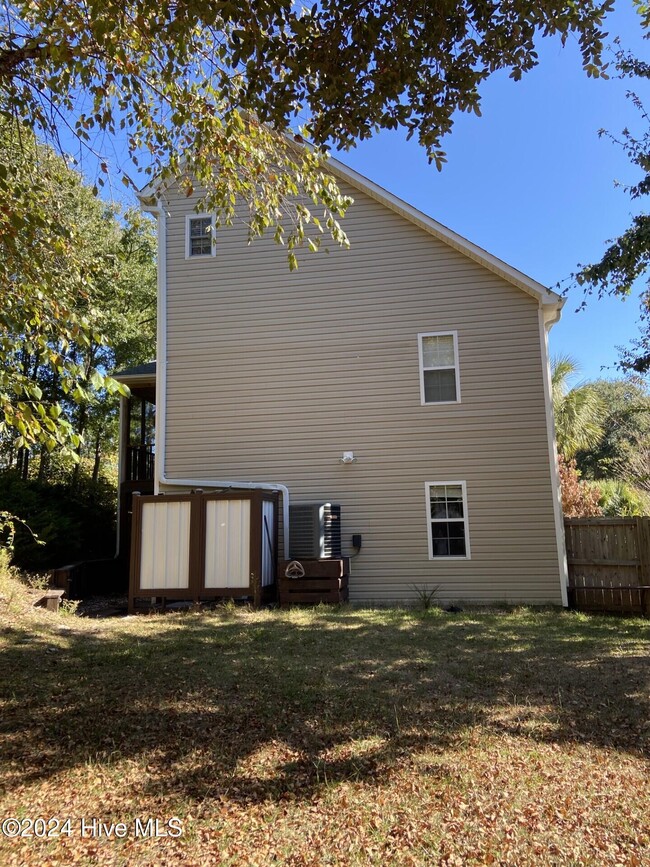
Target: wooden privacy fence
(609, 564)
(197, 546)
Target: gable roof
(547, 298)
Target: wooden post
(197, 546)
(643, 545)
(136, 539)
(256, 547)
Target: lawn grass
(309, 737)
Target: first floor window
(447, 514)
(199, 237)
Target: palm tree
(579, 412)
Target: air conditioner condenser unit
(315, 531)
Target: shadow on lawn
(346, 697)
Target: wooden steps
(50, 600)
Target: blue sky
(532, 182)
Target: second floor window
(199, 236)
(439, 379)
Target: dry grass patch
(327, 737)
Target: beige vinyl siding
(272, 375)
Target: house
(406, 379)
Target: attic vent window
(439, 377)
(199, 236)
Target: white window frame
(213, 244)
(456, 367)
(430, 520)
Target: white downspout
(161, 394)
(161, 342)
(548, 316)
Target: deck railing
(140, 463)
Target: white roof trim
(135, 378)
(545, 296)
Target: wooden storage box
(324, 581)
(312, 591)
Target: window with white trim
(447, 517)
(439, 378)
(199, 231)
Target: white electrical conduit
(264, 486)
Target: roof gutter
(156, 208)
(549, 314)
(135, 379)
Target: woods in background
(603, 439)
(79, 264)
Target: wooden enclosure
(203, 546)
(324, 581)
(609, 564)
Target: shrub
(579, 500)
(75, 523)
(618, 499)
